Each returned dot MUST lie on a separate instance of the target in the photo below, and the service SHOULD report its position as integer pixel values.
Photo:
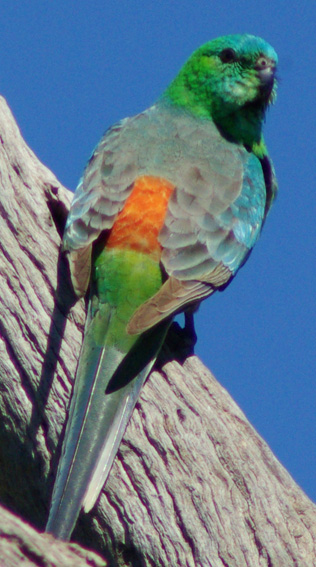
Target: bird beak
(266, 69)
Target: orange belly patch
(138, 224)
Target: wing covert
(217, 221)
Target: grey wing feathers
(100, 195)
(101, 192)
(217, 219)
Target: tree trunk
(193, 483)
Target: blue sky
(71, 69)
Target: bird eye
(228, 55)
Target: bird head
(231, 80)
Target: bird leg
(180, 341)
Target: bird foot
(179, 343)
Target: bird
(168, 209)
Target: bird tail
(106, 389)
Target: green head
(230, 80)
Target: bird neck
(181, 95)
(242, 125)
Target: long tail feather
(106, 389)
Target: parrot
(168, 209)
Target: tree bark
(21, 544)
(193, 483)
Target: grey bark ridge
(193, 483)
(20, 545)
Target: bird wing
(214, 218)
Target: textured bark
(193, 483)
(20, 545)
